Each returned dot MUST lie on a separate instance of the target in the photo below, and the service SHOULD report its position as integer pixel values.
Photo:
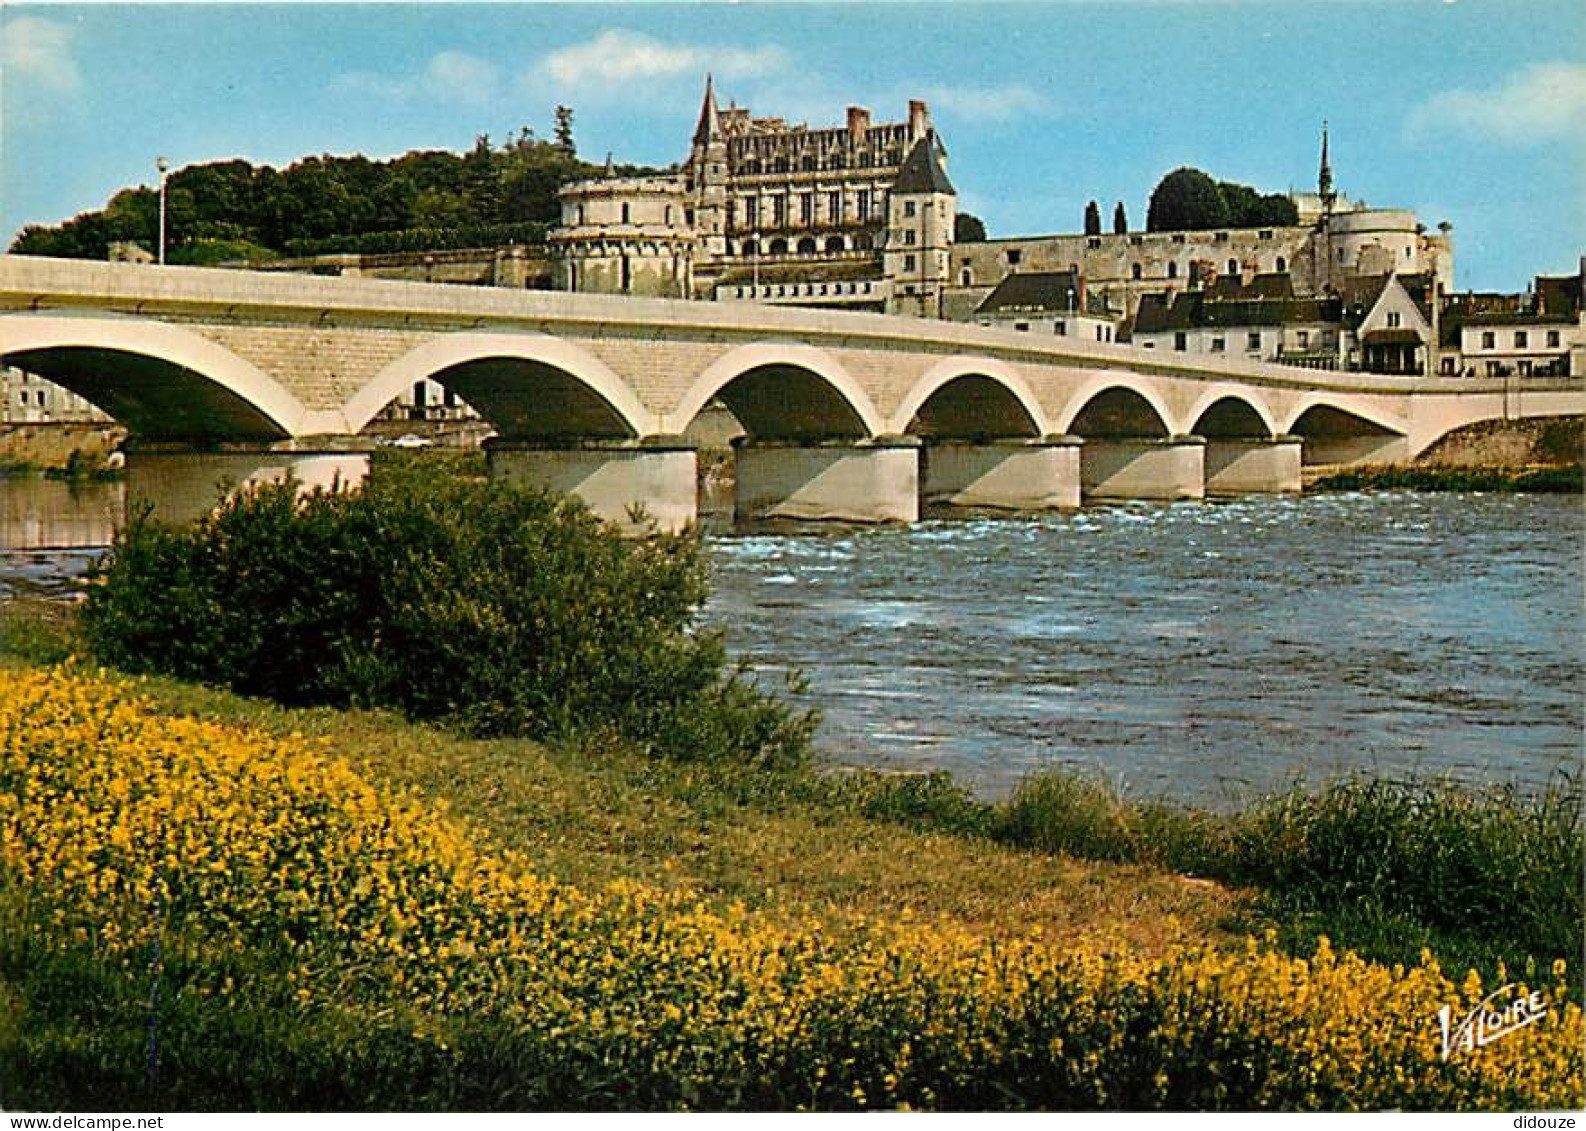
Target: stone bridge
(244, 375)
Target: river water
(1194, 651)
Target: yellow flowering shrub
(470, 980)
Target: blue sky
(1472, 111)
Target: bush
(498, 610)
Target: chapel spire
(1324, 178)
(709, 128)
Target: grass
(1544, 480)
(789, 844)
(1478, 876)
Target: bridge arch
(783, 391)
(1106, 407)
(971, 398)
(159, 380)
(527, 385)
(1226, 413)
(1339, 431)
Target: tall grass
(1482, 875)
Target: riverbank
(1559, 480)
(1069, 873)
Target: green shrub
(495, 609)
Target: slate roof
(1271, 285)
(922, 171)
(1360, 294)
(1558, 297)
(1033, 292)
(1202, 310)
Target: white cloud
(616, 58)
(37, 52)
(1542, 103)
(449, 75)
(986, 103)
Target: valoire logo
(1488, 1022)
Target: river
(1194, 651)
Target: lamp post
(163, 166)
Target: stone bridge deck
(206, 357)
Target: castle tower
(920, 211)
(707, 177)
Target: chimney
(858, 123)
(919, 119)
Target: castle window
(1060, 328)
(807, 245)
(1219, 344)
(751, 211)
(779, 247)
(1489, 340)
(908, 262)
(966, 278)
(1282, 264)
(1552, 339)
(834, 206)
(1222, 237)
(908, 235)
(1304, 338)
(1172, 270)
(834, 243)
(1521, 339)
(625, 213)
(1180, 341)
(1233, 266)
(1136, 270)
(1021, 326)
(1178, 237)
(807, 208)
(751, 247)
(908, 208)
(1394, 320)
(1253, 340)
(1094, 241)
(778, 211)
(1014, 255)
(864, 204)
(1266, 234)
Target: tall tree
(1186, 200)
(1092, 219)
(564, 131)
(1120, 221)
(968, 228)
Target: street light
(163, 166)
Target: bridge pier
(616, 479)
(1385, 447)
(1020, 475)
(181, 483)
(875, 480)
(1143, 468)
(1253, 466)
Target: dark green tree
(1120, 220)
(564, 131)
(1092, 219)
(1186, 200)
(968, 228)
